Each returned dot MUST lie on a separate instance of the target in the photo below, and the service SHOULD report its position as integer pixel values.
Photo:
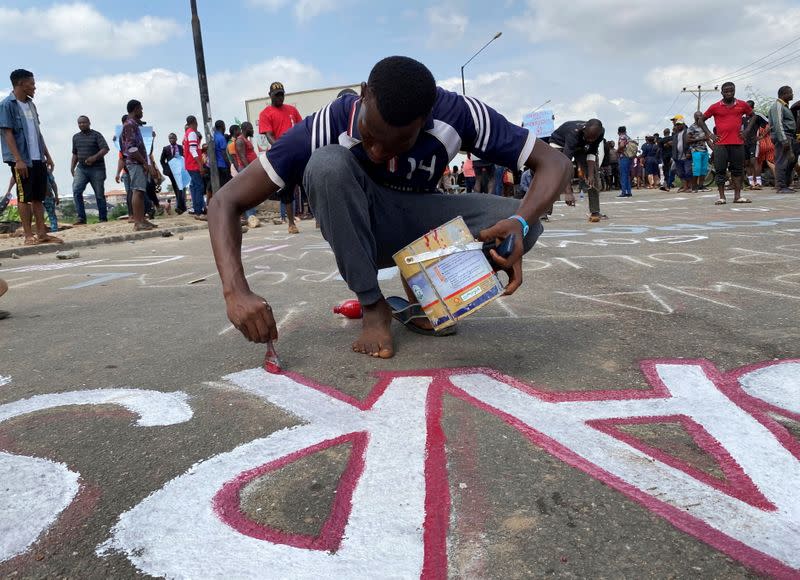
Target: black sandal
(405, 313)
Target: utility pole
(204, 101)
(699, 92)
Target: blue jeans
(625, 174)
(197, 188)
(498, 180)
(50, 207)
(669, 178)
(96, 176)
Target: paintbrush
(272, 363)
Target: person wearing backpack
(627, 149)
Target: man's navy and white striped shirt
(456, 124)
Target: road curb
(112, 239)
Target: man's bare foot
(375, 339)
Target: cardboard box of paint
(448, 273)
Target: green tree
(763, 102)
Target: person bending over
(370, 165)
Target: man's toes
(386, 352)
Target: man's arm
(777, 123)
(133, 152)
(73, 163)
(120, 167)
(102, 150)
(709, 134)
(248, 312)
(20, 165)
(163, 159)
(92, 159)
(194, 150)
(270, 137)
(241, 151)
(551, 174)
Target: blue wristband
(521, 220)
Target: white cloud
(506, 92)
(79, 28)
(669, 31)
(167, 97)
(447, 25)
(303, 9)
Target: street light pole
(463, 85)
(204, 100)
(540, 106)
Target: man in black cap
(273, 122)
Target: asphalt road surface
(632, 411)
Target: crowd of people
(25, 151)
(739, 153)
(357, 159)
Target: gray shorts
(138, 176)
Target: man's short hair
(124, 118)
(233, 129)
(752, 103)
(404, 89)
(344, 92)
(784, 89)
(622, 129)
(219, 124)
(19, 75)
(191, 120)
(132, 104)
(727, 84)
(594, 123)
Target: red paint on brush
(272, 364)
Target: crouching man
(370, 165)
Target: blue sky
(619, 61)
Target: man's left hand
(513, 264)
(50, 164)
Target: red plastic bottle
(349, 308)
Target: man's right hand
(251, 315)
(22, 169)
(117, 178)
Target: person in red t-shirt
(729, 140)
(273, 122)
